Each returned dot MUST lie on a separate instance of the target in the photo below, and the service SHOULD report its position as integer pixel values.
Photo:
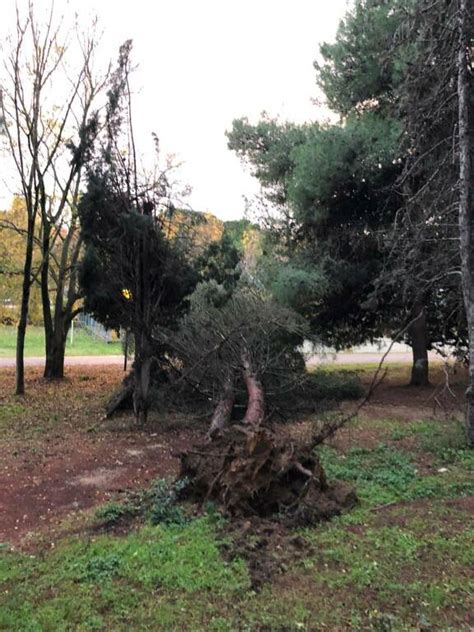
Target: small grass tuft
(164, 497)
(113, 512)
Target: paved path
(69, 361)
(341, 358)
(369, 358)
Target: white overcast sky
(202, 63)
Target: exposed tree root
(255, 412)
(249, 471)
(223, 411)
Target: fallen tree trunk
(122, 399)
(255, 413)
(223, 411)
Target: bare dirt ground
(59, 456)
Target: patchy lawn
(402, 560)
(83, 343)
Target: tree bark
(57, 321)
(221, 416)
(55, 351)
(25, 301)
(255, 413)
(466, 206)
(142, 369)
(419, 344)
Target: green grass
(151, 579)
(84, 344)
(413, 576)
(402, 560)
(9, 412)
(387, 475)
(173, 577)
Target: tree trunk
(57, 321)
(55, 351)
(419, 344)
(142, 368)
(466, 205)
(221, 416)
(255, 413)
(25, 301)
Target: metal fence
(93, 327)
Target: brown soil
(47, 476)
(395, 399)
(457, 512)
(59, 456)
(267, 546)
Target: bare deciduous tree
(47, 103)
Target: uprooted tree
(246, 349)
(239, 347)
(248, 470)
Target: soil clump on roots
(249, 472)
(267, 486)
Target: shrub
(100, 568)
(159, 504)
(112, 512)
(164, 496)
(334, 385)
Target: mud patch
(267, 547)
